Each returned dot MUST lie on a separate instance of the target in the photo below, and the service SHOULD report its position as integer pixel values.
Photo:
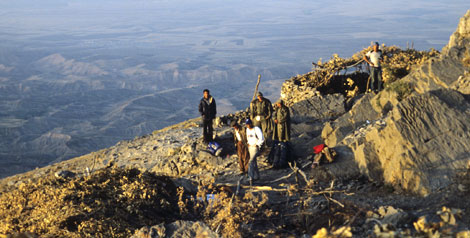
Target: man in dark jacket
(207, 108)
(282, 123)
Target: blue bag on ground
(214, 148)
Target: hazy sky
(298, 30)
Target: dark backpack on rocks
(280, 155)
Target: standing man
(281, 122)
(373, 58)
(208, 110)
(255, 140)
(261, 114)
(239, 137)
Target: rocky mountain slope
(402, 167)
(413, 135)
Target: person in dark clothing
(261, 111)
(282, 122)
(239, 137)
(208, 110)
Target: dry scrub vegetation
(109, 203)
(223, 211)
(117, 202)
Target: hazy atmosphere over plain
(78, 76)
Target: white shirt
(254, 136)
(239, 138)
(375, 57)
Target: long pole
(256, 88)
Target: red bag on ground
(318, 148)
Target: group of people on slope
(274, 122)
(265, 123)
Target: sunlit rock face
(418, 142)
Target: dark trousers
(375, 78)
(243, 156)
(207, 130)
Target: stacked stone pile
(292, 93)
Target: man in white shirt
(373, 58)
(255, 140)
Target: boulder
(308, 116)
(393, 216)
(463, 84)
(188, 185)
(304, 137)
(66, 174)
(363, 112)
(317, 108)
(177, 229)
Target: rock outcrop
(318, 108)
(414, 135)
(419, 146)
(445, 71)
(308, 117)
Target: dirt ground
(303, 207)
(283, 203)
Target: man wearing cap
(281, 117)
(239, 137)
(208, 110)
(261, 114)
(255, 140)
(373, 58)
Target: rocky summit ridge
(406, 146)
(414, 134)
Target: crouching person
(239, 137)
(255, 140)
(322, 151)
